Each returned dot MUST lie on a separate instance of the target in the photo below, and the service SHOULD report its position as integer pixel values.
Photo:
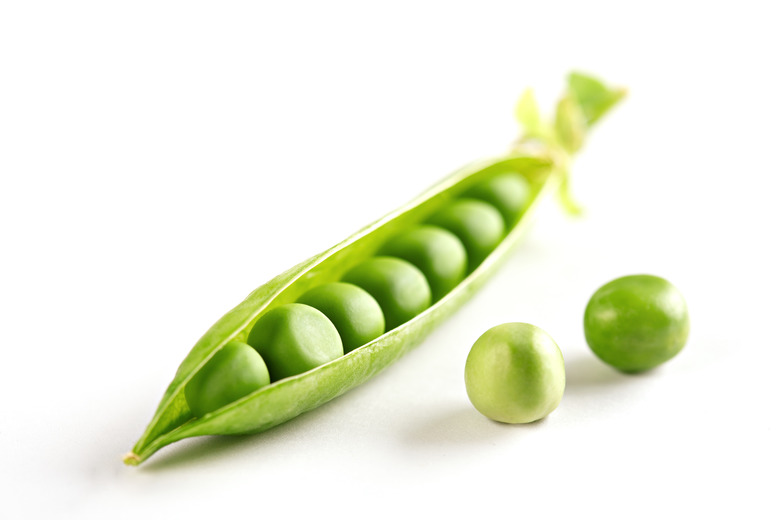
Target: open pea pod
(292, 396)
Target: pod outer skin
(292, 396)
(438, 253)
(400, 288)
(515, 373)
(234, 371)
(355, 313)
(476, 223)
(636, 322)
(509, 193)
(295, 338)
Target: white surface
(159, 161)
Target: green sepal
(594, 97)
(528, 115)
(570, 125)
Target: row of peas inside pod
(412, 270)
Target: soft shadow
(588, 376)
(200, 450)
(462, 425)
(197, 451)
(588, 371)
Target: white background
(159, 160)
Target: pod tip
(131, 459)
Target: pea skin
(356, 315)
(637, 322)
(515, 373)
(295, 338)
(232, 372)
(400, 288)
(508, 192)
(476, 223)
(438, 253)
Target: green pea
(436, 252)
(400, 288)
(476, 223)
(515, 373)
(508, 192)
(355, 313)
(295, 338)
(233, 371)
(636, 322)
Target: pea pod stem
(540, 161)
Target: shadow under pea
(589, 372)
(462, 425)
(200, 450)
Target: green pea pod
(287, 398)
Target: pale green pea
(515, 373)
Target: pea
(636, 322)
(355, 313)
(515, 373)
(436, 252)
(508, 192)
(233, 371)
(400, 288)
(295, 338)
(476, 223)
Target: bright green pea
(508, 192)
(637, 322)
(436, 252)
(295, 338)
(400, 288)
(355, 313)
(476, 223)
(515, 373)
(233, 371)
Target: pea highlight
(508, 192)
(400, 288)
(355, 313)
(636, 322)
(232, 372)
(436, 252)
(476, 223)
(515, 373)
(295, 338)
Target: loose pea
(295, 338)
(476, 223)
(436, 252)
(515, 373)
(400, 288)
(636, 322)
(232, 372)
(355, 313)
(508, 192)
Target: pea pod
(538, 161)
